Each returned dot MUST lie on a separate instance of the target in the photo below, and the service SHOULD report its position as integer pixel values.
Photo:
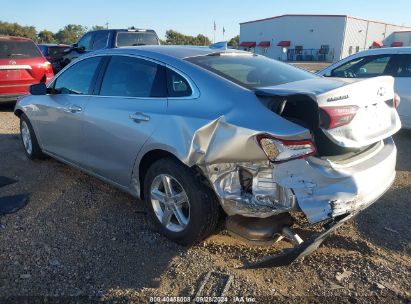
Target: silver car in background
(193, 130)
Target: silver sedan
(196, 130)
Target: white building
(318, 37)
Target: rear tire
(188, 211)
(29, 139)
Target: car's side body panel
(216, 131)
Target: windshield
(251, 71)
(136, 38)
(18, 49)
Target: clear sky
(190, 17)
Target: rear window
(18, 49)
(251, 71)
(57, 50)
(136, 38)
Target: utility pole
(107, 24)
(215, 28)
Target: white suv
(395, 62)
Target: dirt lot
(80, 239)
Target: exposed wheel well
(148, 159)
(151, 157)
(18, 112)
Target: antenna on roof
(222, 45)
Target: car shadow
(7, 107)
(403, 142)
(386, 222)
(76, 232)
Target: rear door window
(100, 40)
(133, 77)
(56, 51)
(401, 66)
(18, 49)
(363, 67)
(79, 78)
(177, 86)
(136, 38)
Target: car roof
(14, 38)
(131, 30)
(175, 51)
(385, 50)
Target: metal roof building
(318, 37)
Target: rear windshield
(251, 71)
(136, 38)
(18, 49)
(57, 50)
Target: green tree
(201, 40)
(176, 38)
(98, 27)
(70, 33)
(45, 36)
(234, 42)
(14, 29)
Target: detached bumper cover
(290, 255)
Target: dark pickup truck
(110, 38)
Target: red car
(21, 65)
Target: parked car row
(54, 53)
(22, 63)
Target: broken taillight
(279, 150)
(333, 117)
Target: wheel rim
(170, 203)
(26, 137)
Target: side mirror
(81, 49)
(74, 46)
(38, 89)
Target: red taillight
(279, 150)
(48, 71)
(333, 117)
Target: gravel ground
(80, 239)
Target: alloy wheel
(26, 137)
(170, 203)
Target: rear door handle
(74, 109)
(139, 117)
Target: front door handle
(139, 117)
(74, 109)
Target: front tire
(180, 205)
(29, 139)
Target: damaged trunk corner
(304, 111)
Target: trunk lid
(373, 117)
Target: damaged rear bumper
(319, 188)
